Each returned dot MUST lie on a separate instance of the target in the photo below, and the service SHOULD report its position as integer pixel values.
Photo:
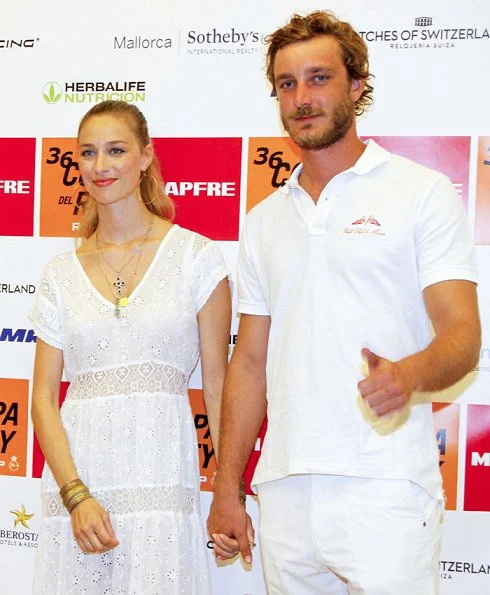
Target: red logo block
(202, 177)
(17, 165)
(477, 492)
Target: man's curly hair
(316, 24)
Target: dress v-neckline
(140, 283)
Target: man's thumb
(371, 358)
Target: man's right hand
(230, 528)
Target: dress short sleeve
(208, 270)
(46, 314)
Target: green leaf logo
(51, 92)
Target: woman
(126, 316)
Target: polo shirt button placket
(317, 225)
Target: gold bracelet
(76, 501)
(68, 486)
(74, 493)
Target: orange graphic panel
(482, 208)
(207, 460)
(271, 161)
(14, 403)
(446, 423)
(62, 195)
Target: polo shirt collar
(372, 157)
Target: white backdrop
(199, 70)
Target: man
(342, 273)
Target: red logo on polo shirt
(17, 186)
(477, 476)
(365, 224)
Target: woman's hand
(92, 527)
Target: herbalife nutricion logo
(93, 92)
(51, 92)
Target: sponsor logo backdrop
(198, 75)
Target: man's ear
(357, 87)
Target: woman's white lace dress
(129, 423)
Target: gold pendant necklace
(121, 299)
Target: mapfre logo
(203, 179)
(477, 474)
(424, 33)
(478, 459)
(17, 186)
(14, 399)
(482, 203)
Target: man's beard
(337, 126)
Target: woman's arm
(214, 321)
(51, 435)
(90, 522)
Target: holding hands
(230, 528)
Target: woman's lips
(104, 182)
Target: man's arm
(242, 413)
(453, 310)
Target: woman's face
(111, 159)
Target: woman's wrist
(73, 493)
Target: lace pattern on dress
(147, 377)
(132, 500)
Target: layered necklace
(121, 288)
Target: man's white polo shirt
(338, 276)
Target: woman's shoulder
(60, 261)
(193, 240)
